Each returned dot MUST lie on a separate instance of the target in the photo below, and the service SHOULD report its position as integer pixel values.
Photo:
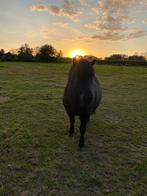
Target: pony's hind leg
(84, 119)
(72, 121)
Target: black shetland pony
(82, 94)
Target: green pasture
(37, 157)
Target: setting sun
(76, 52)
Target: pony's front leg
(72, 121)
(84, 120)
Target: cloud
(61, 24)
(83, 2)
(113, 15)
(39, 8)
(54, 10)
(144, 21)
(137, 34)
(115, 36)
(69, 8)
(113, 20)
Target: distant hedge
(123, 62)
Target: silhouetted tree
(25, 53)
(46, 53)
(2, 52)
(60, 54)
(136, 58)
(118, 57)
(9, 57)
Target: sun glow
(77, 52)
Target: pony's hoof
(81, 145)
(80, 149)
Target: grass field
(38, 158)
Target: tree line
(47, 53)
(121, 59)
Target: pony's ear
(93, 61)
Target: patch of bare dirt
(3, 99)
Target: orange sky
(98, 27)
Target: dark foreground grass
(38, 158)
